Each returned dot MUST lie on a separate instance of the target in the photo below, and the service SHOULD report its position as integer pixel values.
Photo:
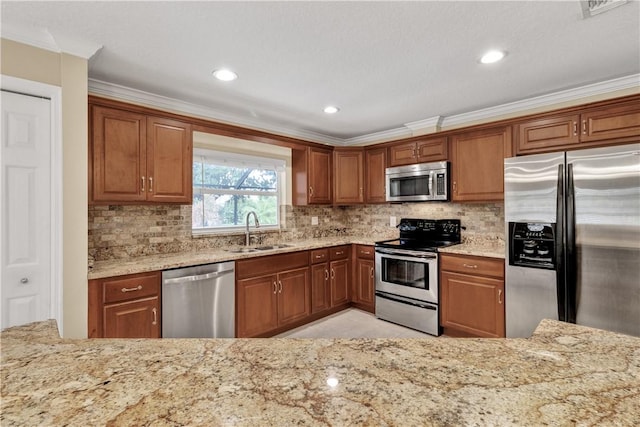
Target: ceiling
(386, 65)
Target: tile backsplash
(122, 232)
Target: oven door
(411, 274)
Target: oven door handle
(405, 252)
(407, 301)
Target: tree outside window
(225, 190)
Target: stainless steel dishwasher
(199, 302)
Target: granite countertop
(564, 375)
(490, 247)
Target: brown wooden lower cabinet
(363, 294)
(125, 306)
(339, 270)
(472, 296)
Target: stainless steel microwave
(418, 183)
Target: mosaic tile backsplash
(122, 232)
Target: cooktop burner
(425, 234)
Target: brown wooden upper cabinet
(348, 177)
(418, 151)
(477, 164)
(136, 158)
(586, 128)
(375, 163)
(311, 176)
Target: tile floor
(352, 323)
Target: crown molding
(110, 90)
(425, 126)
(43, 39)
(543, 101)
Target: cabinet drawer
(365, 252)
(482, 266)
(131, 287)
(339, 252)
(271, 264)
(319, 255)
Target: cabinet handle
(319, 256)
(361, 191)
(372, 272)
(142, 184)
(326, 274)
(469, 265)
(333, 274)
(455, 187)
(311, 191)
(275, 288)
(575, 128)
(584, 127)
(339, 252)
(155, 316)
(499, 296)
(365, 253)
(150, 184)
(137, 288)
(280, 287)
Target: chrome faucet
(247, 236)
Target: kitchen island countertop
(563, 375)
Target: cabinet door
(549, 133)
(432, 150)
(374, 178)
(256, 306)
(402, 154)
(169, 161)
(364, 286)
(134, 319)
(320, 288)
(348, 177)
(319, 176)
(294, 299)
(617, 122)
(339, 271)
(472, 304)
(118, 144)
(477, 164)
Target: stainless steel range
(407, 272)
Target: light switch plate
(314, 220)
(392, 221)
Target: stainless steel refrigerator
(573, 239)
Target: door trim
(54, 93)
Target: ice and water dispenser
(532, 244)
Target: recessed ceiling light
(225, 75)
(492, 56)
(331, 109)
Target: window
(226, 187)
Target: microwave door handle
(431, 195)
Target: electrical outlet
(392, 221)
(314, 220)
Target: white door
(25, 213)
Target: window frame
(223, 158)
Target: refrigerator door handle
(559, 244)
(570, 248)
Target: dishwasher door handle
(198, 277)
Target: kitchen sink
(259, 248)
(243, 250)
(269, 247)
